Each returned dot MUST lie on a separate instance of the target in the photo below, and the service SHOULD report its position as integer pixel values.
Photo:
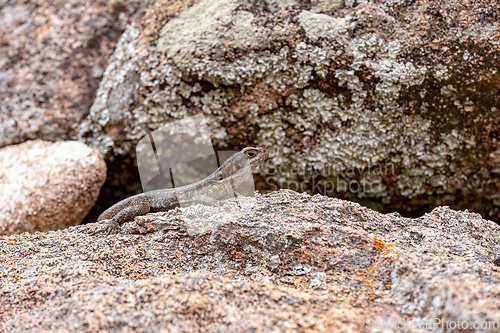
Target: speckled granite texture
(283, 262)
(52, 58)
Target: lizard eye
(251, 153)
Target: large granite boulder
(52, 57)
(282, 262)
(395, 104)
(48, 185)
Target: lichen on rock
(357, 86)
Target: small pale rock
(97, 71)
(48, 186)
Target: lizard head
(240, 165)
(255, 156)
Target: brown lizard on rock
(219, 185)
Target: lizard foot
(107, 227)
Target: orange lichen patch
(42, 31)
(380, 244)
(360, 276)
(140, 277)
(11, 241)
(17, 277)
(389, 251)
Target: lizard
(221, 184)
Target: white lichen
(321, 25)
(206, 29)
(348, 135)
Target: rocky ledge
(278, 262)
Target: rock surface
(279, 262)
(52, 56)
(390, 103)
(48, 186)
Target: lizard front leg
(123, 212)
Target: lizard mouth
(266, 153)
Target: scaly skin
(219, 185)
